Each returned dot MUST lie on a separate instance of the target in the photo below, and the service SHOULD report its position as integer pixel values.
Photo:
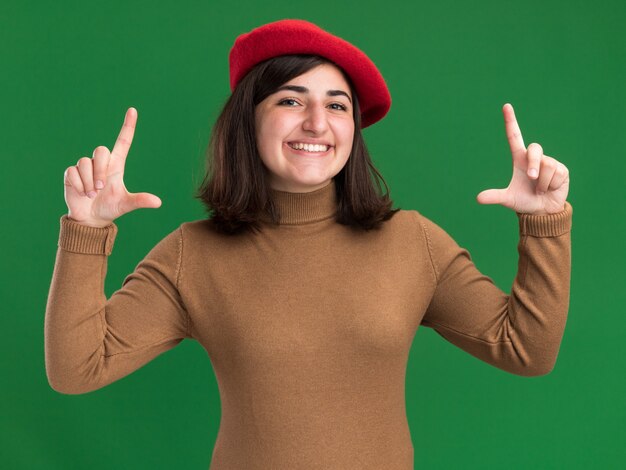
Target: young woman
(305, 288)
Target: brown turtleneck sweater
(308, 324)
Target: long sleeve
(519, 332)
(91, 341)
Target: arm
(91, 341)
(520, 333)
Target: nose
(315, 119)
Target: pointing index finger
(125, 137)
(513, 132)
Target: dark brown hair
(235, 188)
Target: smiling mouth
(309, 149)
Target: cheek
(269, 140)
(269, 131)
(263, 135)
(346, 134)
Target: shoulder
(201, 234)
(196, 227)
(409, 219)
(401, 230)
(200, 230)
(424, 227)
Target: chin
(302, 184)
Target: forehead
(323, 76)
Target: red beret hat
(302, 37)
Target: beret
(294, 36)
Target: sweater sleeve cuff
(80, 238)
(546, 225)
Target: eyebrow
(301, 89)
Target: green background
(70, 69)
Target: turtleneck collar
(302, 208)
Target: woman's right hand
(111, 200)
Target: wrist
(89, 223)
(543, 212)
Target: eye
(287, 100)
(341, 106)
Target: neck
(302, 208)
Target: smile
(309, 149)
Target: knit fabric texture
(308, 324)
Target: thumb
(491, 196)
(141, 201)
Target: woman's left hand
(542, 192)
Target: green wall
(70, 70)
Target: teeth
(309, 147)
